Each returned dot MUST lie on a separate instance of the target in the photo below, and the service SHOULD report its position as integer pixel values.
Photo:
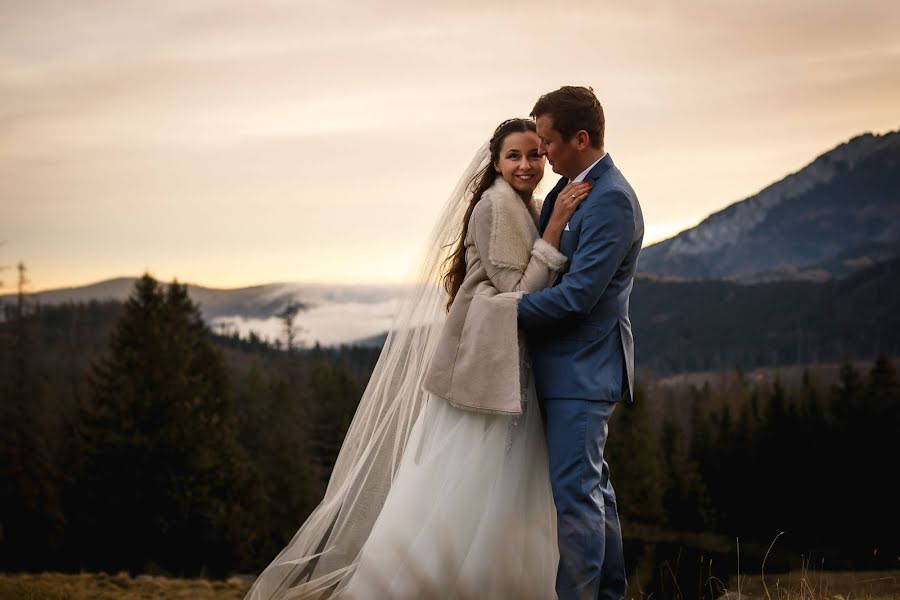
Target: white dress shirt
(588, 170)
(581, 177)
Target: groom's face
(562, 155)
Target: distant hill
(846, 203)
(330, 314)
(679, 326)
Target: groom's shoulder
(611, 192)
(611, 195)
(612, 185)
(613, 178)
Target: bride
(441, 487)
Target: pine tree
(336, 398)
(685, 501)
(874, 454)
(882, 386)
(633, 455)
(847, 393)
(781, 458)
(701, 445)
(273, 431)
(29, 477)
(164, 480)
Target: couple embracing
(474, 466)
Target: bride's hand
(567, 201)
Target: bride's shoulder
(495, 198)
(500, 204)
(500, 194)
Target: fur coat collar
(514, 225)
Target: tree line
(136, 438)
(810, 464)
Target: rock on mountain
(845, 203)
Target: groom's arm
(606, 235)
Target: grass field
(100, 586)
(807, 585)
(815, 585)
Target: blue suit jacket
(578, 329)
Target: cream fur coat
(477, 362)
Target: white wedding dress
(427, 500)
(470, 513)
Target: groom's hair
(573, 108)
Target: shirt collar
(588, 170)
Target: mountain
(683, 326)
(330, 314)
(844, 206)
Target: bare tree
(3, 267)
(291, 330)
(2, 306)
(23, 281)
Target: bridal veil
(325, 548)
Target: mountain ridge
(722, 246)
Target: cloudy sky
(234, 143)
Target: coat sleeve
(543, 264)
(606, 235)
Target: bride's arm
(504, 248)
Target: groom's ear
(582, 139)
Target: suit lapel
(549, 202)
(600, 168)
(593, 175)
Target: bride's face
(519, 162)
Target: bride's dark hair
(483, 179)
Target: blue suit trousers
(592, 563)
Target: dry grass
(809, 584)
(802, 585)
(100, 586)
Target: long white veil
(325, 549)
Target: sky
(237, 143)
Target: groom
(581, 342)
